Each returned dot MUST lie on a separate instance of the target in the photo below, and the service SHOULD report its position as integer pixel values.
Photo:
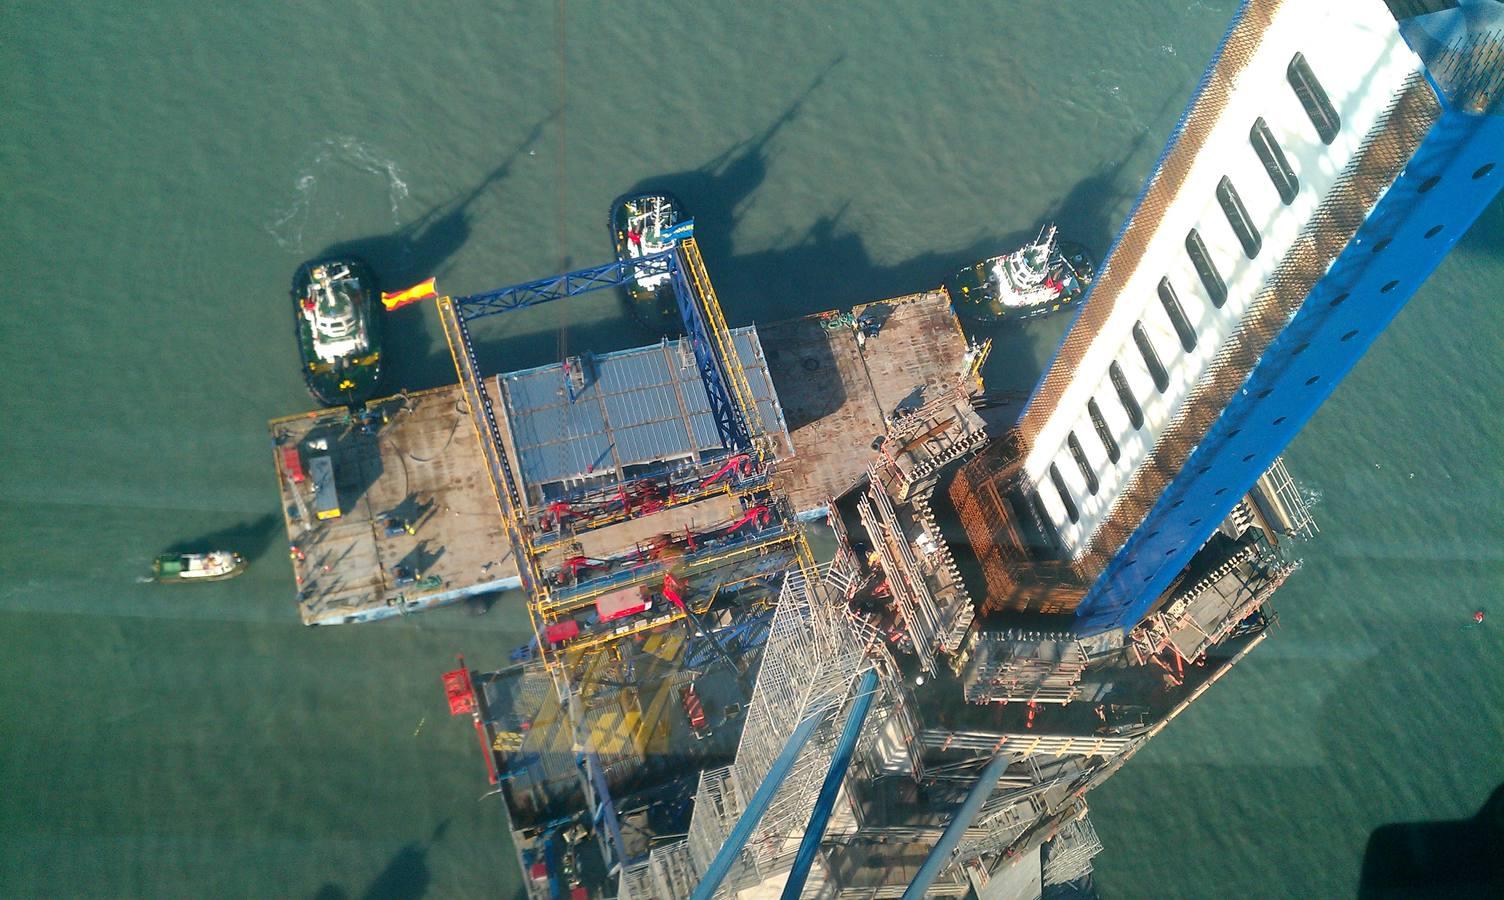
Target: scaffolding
(1004, 669)
(1281, 502)
(810, 662)
(1068, 856)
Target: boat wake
(324, 163)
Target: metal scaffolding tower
(1069, 855)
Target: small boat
(185, 568)
(339, 331)
(1041, 277)
(638, 224)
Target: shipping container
(622, 603)
(292, 464)
(325, 497)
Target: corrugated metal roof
(637, 407)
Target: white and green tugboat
(1041, 277)
(640, 225)
(187, 568)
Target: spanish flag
(421, 291)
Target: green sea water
(167, 165)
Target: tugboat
(339, 332)
(1038, 278)
(186, 568)
(638, 224)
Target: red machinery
(694, 710)
(741, 464)
(576, 567)
(760, 514)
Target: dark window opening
(1065, 495)
(1109, 443)
(1383, 245)
(1042, 520)
(1211, 279)
(1273, 157)
(1313, 98)
(1173, 309)
(1338, 300)
(1350, 335)
(1389, 287)
(1483, 170)
(1151, 359)
(1433, 231)
(1237, 217)
(1125, 396)
(1080, 456)
(1425, 186)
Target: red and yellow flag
(421, 291)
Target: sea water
(168, 165)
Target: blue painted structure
(1453, 176)
(729, 421)
(639, 409)
(719, 867)
(940, 854)
(558, 287)
(814, 832)
(730, 424)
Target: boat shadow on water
(406, 876)
(830, 261)
(250, 538)
(418, 250)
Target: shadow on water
(406, 875)
(419, 250)
(826, 265)
(1462, 858)
(250, 538)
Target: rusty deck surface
(838, 388)
(420, 465)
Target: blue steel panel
(1346, 310)
(535, 390)
(706, 436)
(647, 443)
(636, 407)
(695, 400)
